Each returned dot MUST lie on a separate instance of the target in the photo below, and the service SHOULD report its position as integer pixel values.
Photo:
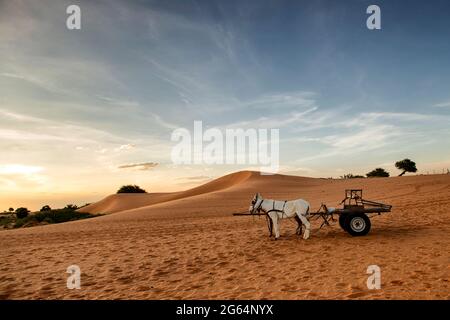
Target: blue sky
(75, 105)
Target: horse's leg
(277, 228)
(270, 226)
(299, 227)
(307, 225)
(275, 223)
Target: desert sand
(187, 245)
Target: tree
(378, 172)
(45, 208)
(22, 212)
(131, 189)
(406, 165)
(71, 207)
(11, 210)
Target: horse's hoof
(306, 235)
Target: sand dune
(120, 202)
(187, 245)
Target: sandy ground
(186, 245)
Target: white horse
(277, 210)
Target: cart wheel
(357, 224)
(342, 218)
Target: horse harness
(276, 210)
(268, 219)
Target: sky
(83, 112)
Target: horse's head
(256, 203)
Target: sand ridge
(191, 246)
(120, 202)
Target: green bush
(48, 220)
(19, 223)
(378, 172)
(131, 189)
(53, 216)
(60, 215)
(22, 212)
(5, 220)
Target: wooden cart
(354, 216)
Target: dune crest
(127, 201)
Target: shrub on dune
(378, 172)
(131, 189)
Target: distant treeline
(22, 217)
(406, 165)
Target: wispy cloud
(19, 117)
(302, 99)
(445, 104)
(47, 130)
(120, 102)
(279, 121)
(40, 82)
(17, 176)
(139, 166)
(368, 117)
(125, 147)
(364, 132)
(371, 137)
(19, 169)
